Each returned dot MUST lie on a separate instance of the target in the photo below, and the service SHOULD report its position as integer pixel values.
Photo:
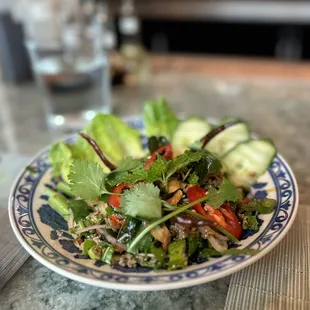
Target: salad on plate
(179, 201)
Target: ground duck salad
(181, 201)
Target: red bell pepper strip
(115, 200)
(165, 151)
(224, 216)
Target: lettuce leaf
(115, 138)
(159, 119)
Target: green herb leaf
(214, 198)
(184, 160)
(157, 169)
(264, 206)
(129, 178)
(226, 192)
(154, 173)
(86, 179)
(250, 221)
(143, 201)
(129, 163)
(79, 209)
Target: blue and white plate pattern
(42, 232)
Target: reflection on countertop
(275, 105)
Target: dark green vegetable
(250, 221)
(159, 255)
(107, 255)
(79, 209)
(87, 245)
(177, 255)
(193, 243)
(109, 210)
(154, 143)
(128, 230)
(263, 206)
(95, 252)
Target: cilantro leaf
(86, 179)
(79, 209)
(157, 169)
(143, 201)
(129, 163)
(229, 192)
(226, 192)
(214, 198)
(184, 160)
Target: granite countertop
(275, 106)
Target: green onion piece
(107, 255)
(59, 204)
(64, 188)
(162, 220)
(87, 245)
(94, 252)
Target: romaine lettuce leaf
(115, 138)
(159, 119)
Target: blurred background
(82, 55)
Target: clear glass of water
(72, 72)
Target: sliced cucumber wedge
(187, 132)
(226, 140)
(248, 160)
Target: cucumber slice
(248, 160)
(226, 140)
(188, 132)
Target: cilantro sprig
(226, 192)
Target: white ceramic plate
(35, 224)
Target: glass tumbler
(71, 68)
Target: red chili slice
(224, 216)
(115, 200)
(165, 151)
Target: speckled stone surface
(274, 108)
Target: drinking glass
(68, 60)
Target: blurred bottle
(131, 49)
